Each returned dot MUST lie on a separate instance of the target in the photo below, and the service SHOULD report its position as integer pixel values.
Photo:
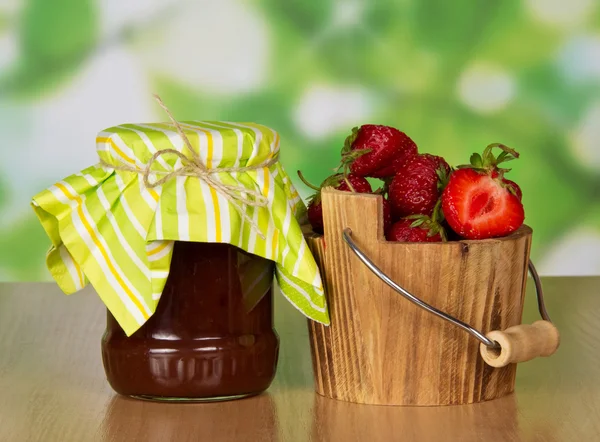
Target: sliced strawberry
(479, 202)
(511, 185)
(516, 190)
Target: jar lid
(114, 224)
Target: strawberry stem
(349, 141)
(349, 156)
(443, 234)
(350, 186)
(508, 154)
(488, 162)
(443, 178)
(307, 183)
(438, 215)
(506, 149)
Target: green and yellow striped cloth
(108, 229)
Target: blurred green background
(454, 75)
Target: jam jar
(206, 341)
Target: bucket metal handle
(498, 348)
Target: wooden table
(52, 385)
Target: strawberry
(405, 231)
(514, 187)
(417, 186)
(387, 207)
(377, 151)
(387, 215)
(350, 183)
(315, 215)
(419, 228)
(511, 185)
(359, 184)
(479, 202)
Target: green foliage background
(454, 75)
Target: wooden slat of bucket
(382, 349)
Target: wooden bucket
(382, 349)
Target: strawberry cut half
(477, 206)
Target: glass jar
(203, 343)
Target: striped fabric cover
(108, 229)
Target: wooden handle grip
(521, 343)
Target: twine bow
(238, 196)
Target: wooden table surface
(52, 385)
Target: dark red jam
(202, 343)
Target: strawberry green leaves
(488, 162)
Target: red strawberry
(387, 215)
(404, 231)
(479, 202)
(404, 155)
(419, 228)
(516, 190)
(512, 186)
(315, 215)
(350, 183)
(359, 184)
(417, 186)
(376, 151)
(411, 230)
